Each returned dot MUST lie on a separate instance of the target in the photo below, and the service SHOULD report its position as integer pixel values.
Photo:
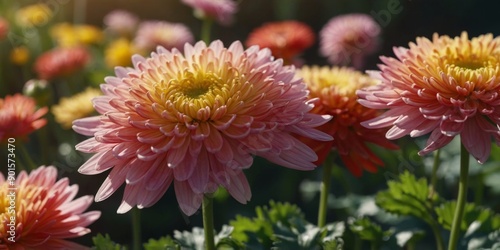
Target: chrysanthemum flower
(445, 87)
(285, 39)
(151, 34)
(220, 10)
(19, 116)
(348, 39)
(78, 106)
(4, 28)
(34, 15)
(61, 62)
(69, 35)
(335, 90)
(121, 22)
(119, 52)
(45, 212)
(195, 119)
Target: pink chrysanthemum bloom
(220, 10)
(335, 91)
(121, 22)
(444, 86)
(196, 119)
(4, 28)
(151, 34)
(285, 39)
(45, 212)
(60, 62)
(348, 39)
(19, 117)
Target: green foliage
(408, 196)
(260, 229)
(163, 243)
(105, 243)
(368, 230)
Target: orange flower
(19, 116)
(285, 39)
(43, 212)
(335, 90)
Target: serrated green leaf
(368, 230)
(485, 217)
(163, 243)
(105, 243)
(408, 196)
(297, 236)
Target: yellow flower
(74, 107)
(34, 15)
(68, 35)
(19, 55)
(119, 53)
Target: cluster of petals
(285, 39)
(71, 35)
(19, 116)
(348, 39)
(121, 22)
(60, 62)
(195, 120)
(46, 211)
(74, 107)
(34, 15)
(220, 10)
(151, 34)
(444, 86)
(334, 89)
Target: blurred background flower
(151, 34)
(46, 211)
(286, 39)
(19, 116)
(34, 15)
(348, 39)
(221, 11)
(121, 23)
(60, 62)
(74, 107)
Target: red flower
(19, 116)
(61, 62)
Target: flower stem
(205, 30)
(136, 228)
(324, 191)
(435, 167)
(462, 195)
(208, 222)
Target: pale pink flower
(151, 34)
(19, 116)
(121, 22)
(445, 87)
(348, 39)
(220, 10)
(46, 213)
(195, 119)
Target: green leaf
(191, 240)
(472, 213)
(298, 234)
(368, 230)
(163, 243)
(260, 229)
(408, 196)
(105, 243)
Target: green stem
(324, 191)
(136, 228)
(205, 30)
(437, 235)
(435, 168)
(208, 222)
(462, 195)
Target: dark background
(269, 182)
